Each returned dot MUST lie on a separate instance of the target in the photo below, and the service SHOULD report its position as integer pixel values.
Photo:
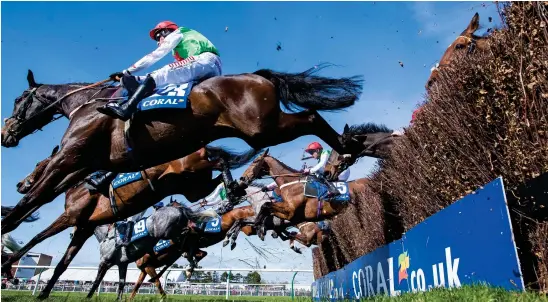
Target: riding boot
(125, 110)
(96, 181)
(233, 189)
(331, 189)
(129, 230)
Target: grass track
(466, 293)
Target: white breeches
(205, 65)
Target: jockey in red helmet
(316, 150)
(197, 59)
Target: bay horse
(47, 103)
(190, 176)
(466, 41)
(244, 106)
(295, 206)
(309, 233)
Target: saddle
(315, 188)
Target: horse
(227, 228)
(47, 103)
(190, 176)
(244, 106)
(165, 223)
(295, 206)
(309, 233)
(467, 40)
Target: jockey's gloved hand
(116, 76)
(265, 189)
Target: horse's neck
(77, 100)
(277, 169)
(154, 173)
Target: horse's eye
(459, 46)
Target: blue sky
(86, 41)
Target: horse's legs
(59, 225)
(103, 268)
(56, 179)
(122, 272)
(151, 271)
(78, 240)
(295, 125)
(138, 284)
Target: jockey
(219, 199)
(317, 151)
(197, 59)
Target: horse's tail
(199, 217)
(314, 92)
(32, 218)
(233, 159)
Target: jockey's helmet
(162, 29)
(315, 146)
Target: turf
(466, 293)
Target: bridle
(471, 47)
(29, 100)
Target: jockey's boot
(125, 110)
(233, 189)
(331, 189)
(127, 237)
(98, 178)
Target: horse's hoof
(225, 243)
(15, 281)
(274, 235)
(233, 245)
(42, 296)
(298, 251)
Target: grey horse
(165, 223)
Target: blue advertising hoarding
(470, 241)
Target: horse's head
(29, 112)
(26, 184)
(255, 170)
(174, 203)
(374, 141)
(466, 41)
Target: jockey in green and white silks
(317, 151)
(219, 200)
(196, 59)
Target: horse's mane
(368, 128)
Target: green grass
(476, 293)
(12, 296)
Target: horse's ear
(55, 149)
(346, 128)
(473, 26)
(171, 199)
(30, 79)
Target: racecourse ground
(466, 293)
